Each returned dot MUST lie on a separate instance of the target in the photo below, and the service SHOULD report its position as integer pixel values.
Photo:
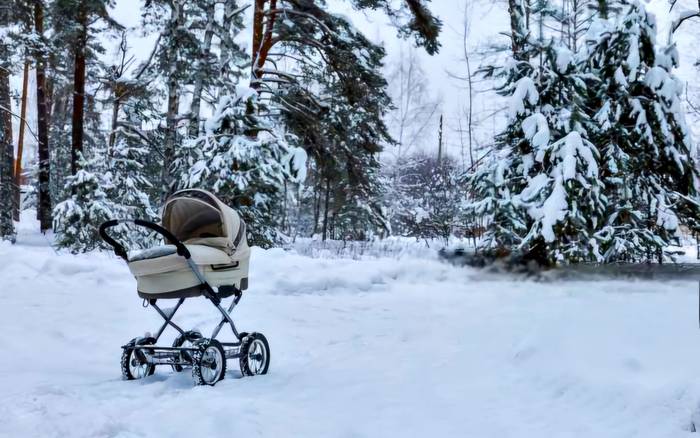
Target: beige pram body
(213, 233)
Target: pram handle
(119, 249)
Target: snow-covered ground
(360, 348)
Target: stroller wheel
(187, 339)
(209, 362)
(254, 355)
(133, 362)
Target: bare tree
(468, 79)
(575, 18)
(415, 106)
(684, 15)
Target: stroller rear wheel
(186, 339)
(254, 355)
(133, 361)
(209, 362)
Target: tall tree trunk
(201, 62)
(116, 106)
(325, 212)
(20, 140)
(603, 9)
(176, 18)
(79, 89)
(263, 27)
(317, 209)
(258, 17)
(518, 29)
(470, 115)
(170, 137)
(7, 229)
(44, 212)
(439, 157)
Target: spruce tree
(541, 191)
(245, 161)
(129, 185)
(649, 160)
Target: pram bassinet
(213, 233)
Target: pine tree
(334, 105)
(6, 146)
(649, 166)
(44, 163)
(75, 23)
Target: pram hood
(198, 217)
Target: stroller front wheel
(208, 363)
(133, 361)
(254, 355)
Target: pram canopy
(198, 217)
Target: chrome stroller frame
(206, 356)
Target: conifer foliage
(650, 172)
(245, 160)
(597, 163)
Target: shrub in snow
(76, 219)
(426, 197)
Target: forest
(297, 119)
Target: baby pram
(205, 254)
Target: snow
(553, 210)
(536, 129)
(366, 348)
(620, 78)
(564, 58)
(633, 60)
(525, 91)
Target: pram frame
(172, 355)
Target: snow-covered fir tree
(428, 197)
(649, 163)
(77, 219)
(540, 192)
(597, 163)
(245, 160)
(129, 186)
